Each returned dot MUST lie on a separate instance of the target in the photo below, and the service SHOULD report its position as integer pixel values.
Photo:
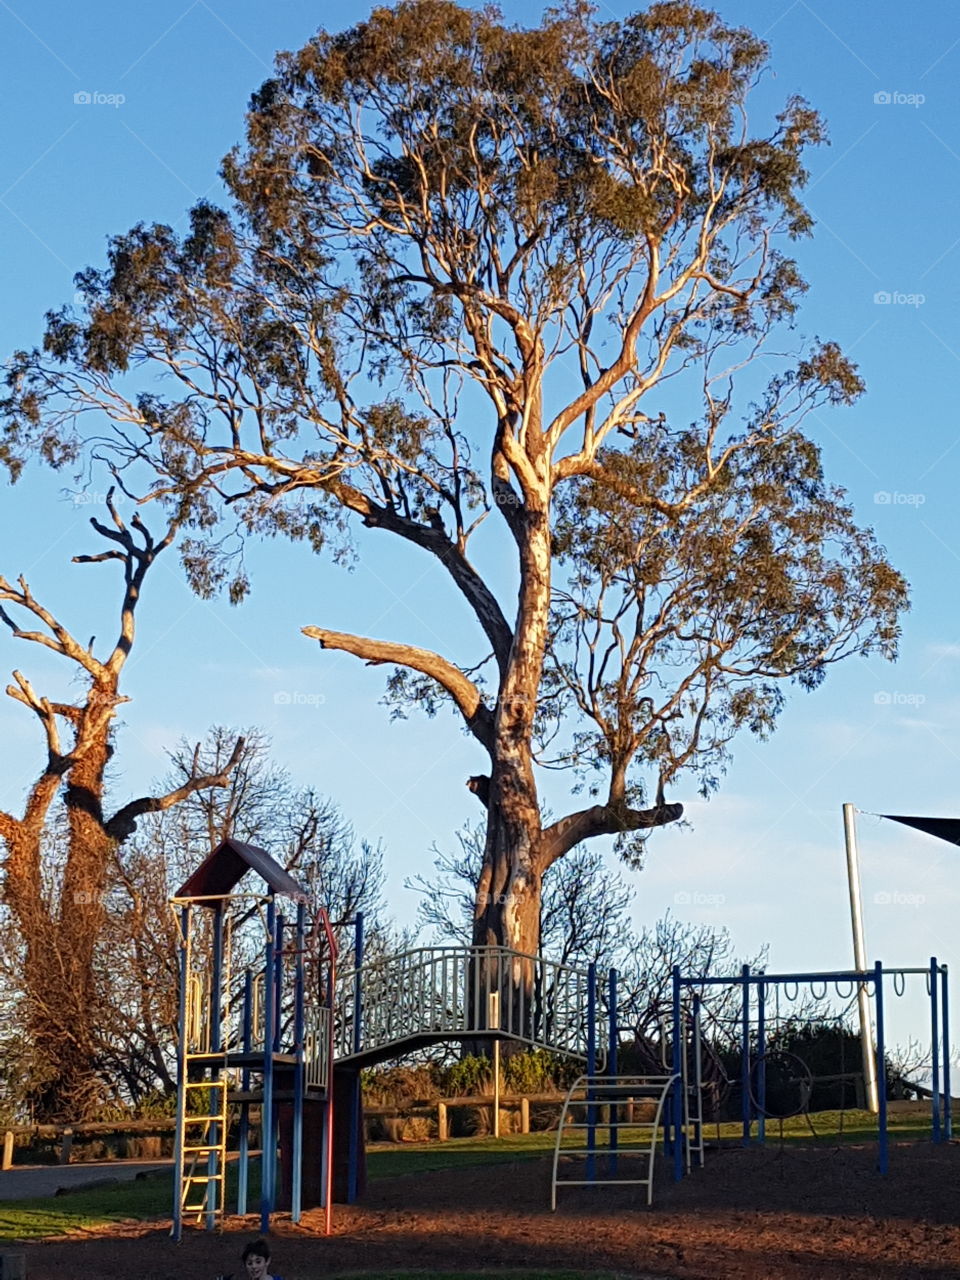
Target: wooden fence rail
(437, 1109)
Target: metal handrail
(443, 990)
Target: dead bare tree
(57, 904)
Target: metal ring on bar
(786, 991)
(783, 1074)
(900, 983)
(844, 995)
(813, 992)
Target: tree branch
(435, 540)
(601, 820)
(123, 823)
(9, 827)
(375, 652)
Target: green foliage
(469, 1075)
(538, 1071)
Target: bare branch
(375, 652)
(601, 820)
(123, 823)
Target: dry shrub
(418, 1129)
(400, 1086)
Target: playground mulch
(796, 1214)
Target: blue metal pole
(243, 1172)
(353, 1153)
(278, 980)
(745, 1108)
(268, 1140)
(357, 982)
(883, 1154)
(591, 1068)
(677, 1092)
(761, 1060)
(181, 1076)
(696, 1051)
(945, 1006)
(299, 1071)
(613, 1036)
(934, 1050)
(216, 1044)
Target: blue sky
(764, 857)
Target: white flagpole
(860, 957)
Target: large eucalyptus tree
(480, 278)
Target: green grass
(54, 1216)
(150, 1198)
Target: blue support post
(677, 1091)
(882, 1155)
(353, 1156)
(299, 1071)
(268, 1140)
(278, 983)
(745, 1054)
(216, 1044)
(934, 1050)
(613, 1036)
(181, 1076)
(761, 1051)
(696, 1049)
(243, 1172)
(591, 1069)
(945, 1007)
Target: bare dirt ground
(758, 1215)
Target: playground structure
(269, 1020)
(760, 1055)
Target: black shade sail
(943, 828)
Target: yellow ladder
(203, 1144)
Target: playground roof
(222, 869)
(943, 828)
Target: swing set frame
(756, 987)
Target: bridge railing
(445, 992)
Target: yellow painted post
(441, 1122)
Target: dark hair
(256, 1248)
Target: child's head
(256, 1258)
